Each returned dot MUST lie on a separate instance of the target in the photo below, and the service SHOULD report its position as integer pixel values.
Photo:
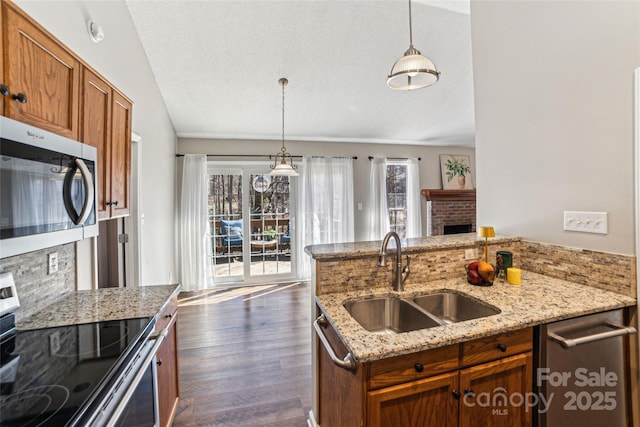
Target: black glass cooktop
(50, 377)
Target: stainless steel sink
(451, 307)
(389, 315)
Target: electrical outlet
(53, 263)
(470, 254)
(586, 222)
(54, 343)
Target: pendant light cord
(410, 27)
(283, 149)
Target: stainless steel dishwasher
(581, 377)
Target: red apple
(473, 277)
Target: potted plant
(269, 235)
(456, 168)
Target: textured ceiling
(217, 64)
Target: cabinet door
(38, 67)
(168, 379)
(96, 131)
(422, 403)
(495, 394)
(120, 155)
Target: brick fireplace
(450, 211)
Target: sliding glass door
(250, 213)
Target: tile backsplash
(37, 289)
(603, 270)
(607, 271)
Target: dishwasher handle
(620, 330)
(348, 362)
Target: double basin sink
(393, 315)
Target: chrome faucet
(400, 274)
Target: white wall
(429, 166)
(554, 116)
(121, 59)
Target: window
(397, 197)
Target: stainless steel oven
(132, 398)
(93, 374)
(47, 189)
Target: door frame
(133, 222)
(636, 112)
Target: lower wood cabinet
(483, 382)
(424, 402)
(167, 366)
(496, 393)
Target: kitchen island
(430, 376)
(539, 299)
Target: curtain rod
(269, 156)
(396, 158)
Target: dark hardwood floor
(245, 356)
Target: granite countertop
(101, 305)
(418, 244)
(540, 299)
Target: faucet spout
(400, 274)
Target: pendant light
(412, 71)
(283, 168)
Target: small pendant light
(283, 168)
(412, 71)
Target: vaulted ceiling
(217, 64)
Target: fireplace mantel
(449, 195)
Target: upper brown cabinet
(45, 84)
(41, 77)
(106, 124)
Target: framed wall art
(456, 172)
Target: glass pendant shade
(282, 168)
(412, 71)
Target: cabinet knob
(168, 316)
(4, 90)
(468, 392)
(502, 347)
(456, 394)
(21, 98)
(419, 367)
(159, 362)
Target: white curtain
(325, 205)
(414, 216)
(195, 239)
(378, 213)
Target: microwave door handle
(67, 191)
(87, 178)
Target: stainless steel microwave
(48, 189)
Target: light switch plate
(586, 222)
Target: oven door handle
(159, 338)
